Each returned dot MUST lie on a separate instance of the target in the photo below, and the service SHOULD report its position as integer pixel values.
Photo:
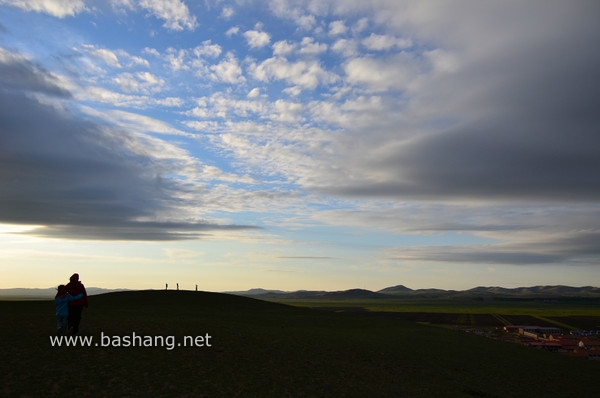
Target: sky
(308, 144)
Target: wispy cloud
(57, 8)
(174, 12)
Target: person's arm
(85, 296)
(76, 297)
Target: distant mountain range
(401, 291)
(49, 293)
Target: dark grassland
(564, 312)
(265, 349)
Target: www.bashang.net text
(133, 340)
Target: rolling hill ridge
(401, 291)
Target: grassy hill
(264, 349)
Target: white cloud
(232, 31)
(223, 106)
(228, 70)
(283, 48)
(108, 56)
(56, 8)
(135, 122)
(352, 114)
(150, 78)
(176, 59)
(394, 73)
(360, 25)
(347, 48)
(141, 82)
(287, 112)
(302, 73)
(127, 82)
(174, 12)
(208, 49)
(227, 12)
(205, 125)
(307, 22)
(254, 93)
(257, 39)
(308, 46)
(135, 60)
(304, 20)
(151, 51)
(443, 61)
(293, 91)
(337, 28)
(171, 102)
(106, 96)
(385, 42)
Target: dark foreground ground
(262, 349)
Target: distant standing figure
(61, 302)
(178, 286)
(196, 287)
(166, 286)
(75, 287)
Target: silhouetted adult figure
(74, 287)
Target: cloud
(283, 48)
(254, 93)
(141, 82)
(384, 42)
(472, 254)
(306, 74)
(132, 230)
(207, 49)
(227, 12)
(56, 8)
(382, 74)
(174, 12)
(506, 233)
(152, 51)
(308, 46)
(83, 179)
(232, 31)
(337, 28)
(304, 19)
(228, 70)
(257, 39)
(106, 96)
(176, 59)
(226, 107)
(134, 122)
(569, 248)
(305, 257)
(108, 56)
(17, 73)
(348, 48)
(482, 112)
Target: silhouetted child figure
(61, 302)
